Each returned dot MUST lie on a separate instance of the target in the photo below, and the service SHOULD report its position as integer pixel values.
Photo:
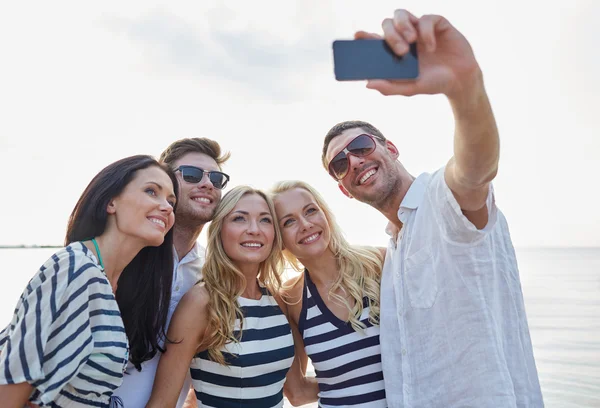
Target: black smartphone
(372, 59)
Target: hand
(447, 64)
(191, 401)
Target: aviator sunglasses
(194, 175)
(361, 146)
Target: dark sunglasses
(361, 146)
(194, 175)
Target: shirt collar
(411, 201)
(194, 254)
(416, 192)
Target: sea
(561, 287)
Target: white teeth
(202, 200)
(157, 221)
(252, 244)
(366, 176)
(310, 238)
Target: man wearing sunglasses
(197, 163)
(453, 325)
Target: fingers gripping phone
(372, 59)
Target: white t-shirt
(454, 331)
(137, 385)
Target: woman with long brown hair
(100, 301)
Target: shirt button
(177, 288)
(403, 352)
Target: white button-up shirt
(453, 327)
(137, 385)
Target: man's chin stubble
(195, 219)
(382, 202)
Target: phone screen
(372, 59)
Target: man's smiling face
(197, 201)
(370, 178)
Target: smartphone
(372, 59)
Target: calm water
(562, 295)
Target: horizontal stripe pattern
(256, 366)
(347, 363)
(66, 337)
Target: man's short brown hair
(342, 127)
(180, 148)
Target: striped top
(347, 363)
(67, 337)
(257, 365)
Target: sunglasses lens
(192, 174)
(361, 146)
(218, 179)
(338, 167)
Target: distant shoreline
(29, 246)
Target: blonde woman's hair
(225, 282)
(359, 266)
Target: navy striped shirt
(257, 365)
(347, 363)
(66, 337)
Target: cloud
(264, 60)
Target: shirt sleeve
(455, 227)
(49, 338)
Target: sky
(84, 84)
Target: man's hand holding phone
(446, 63)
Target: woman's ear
(111, 208)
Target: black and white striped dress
(347, 363)
(67, 337)
(257, 366)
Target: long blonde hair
(360, 267)
(225, 282)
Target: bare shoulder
(196, 298)
(190, 317)
(291, 290)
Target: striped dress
(257, 366)
(347, 363)
(66, 337)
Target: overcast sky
(82, 85)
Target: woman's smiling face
(248, 231)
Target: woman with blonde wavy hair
(230, 329)
(333, 305)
